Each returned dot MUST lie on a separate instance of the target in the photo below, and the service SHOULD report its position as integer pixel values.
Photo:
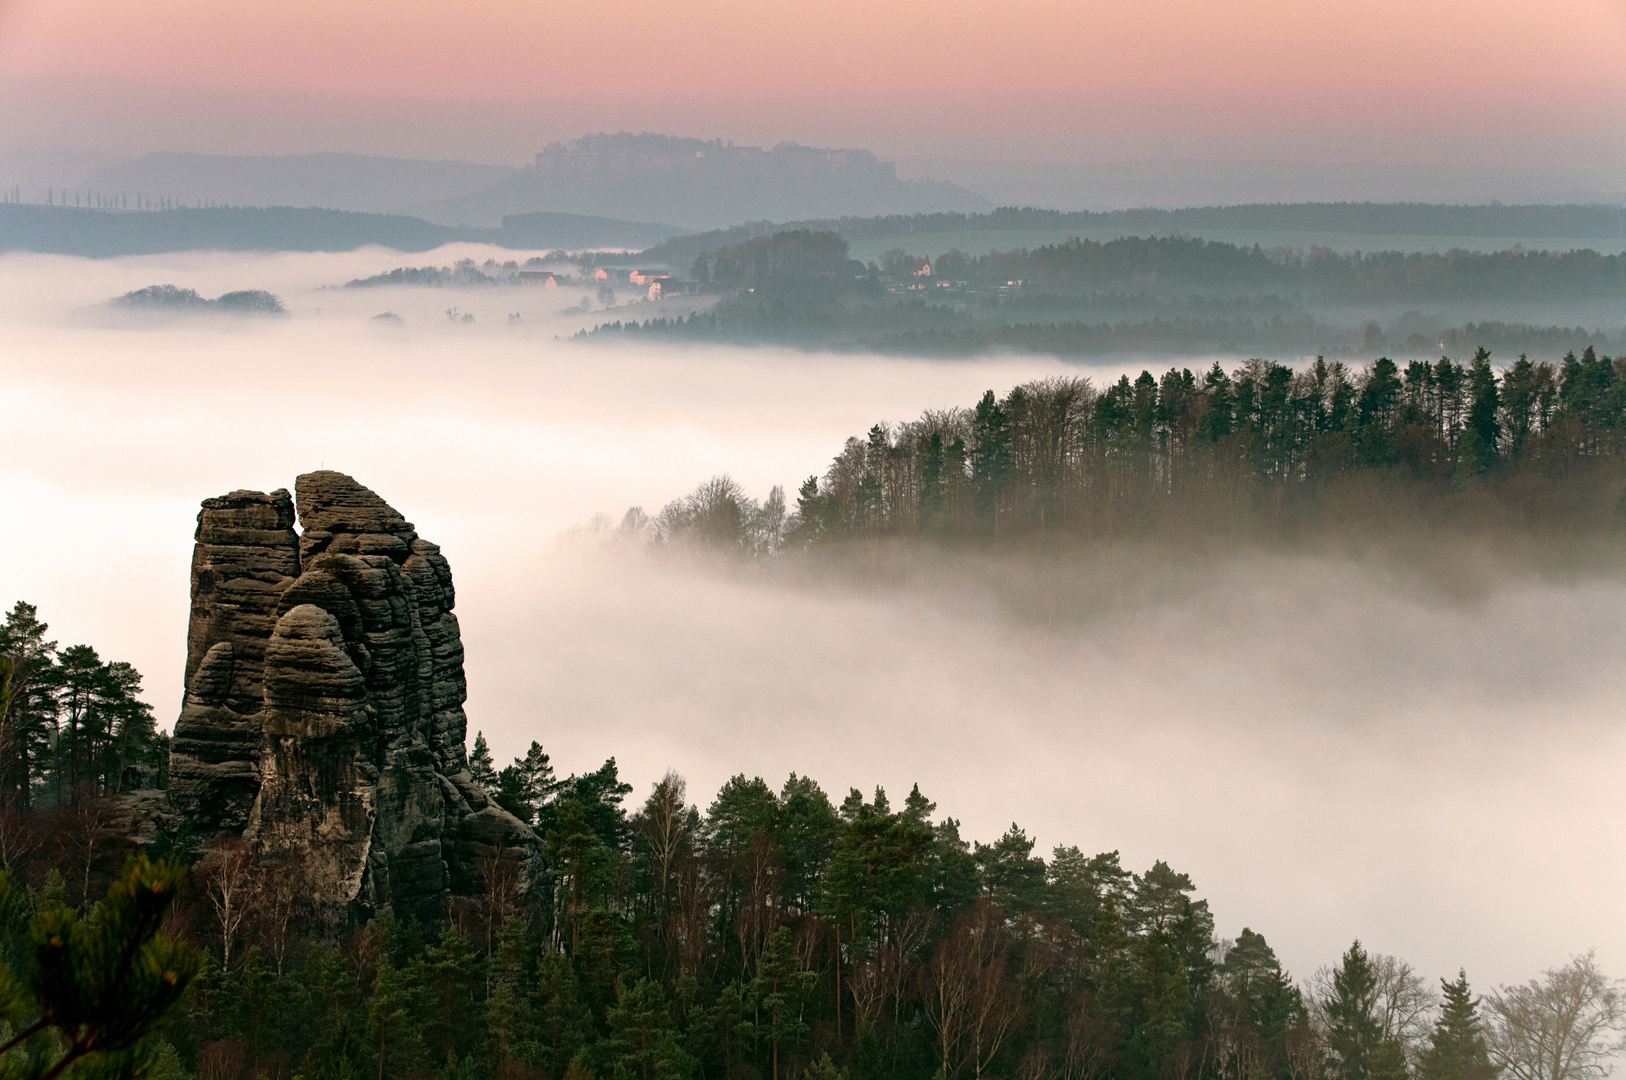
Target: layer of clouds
(1332, 746)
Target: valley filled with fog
(1329, 743)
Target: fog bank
(1331, 746)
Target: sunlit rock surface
(323, 717)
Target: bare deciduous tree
(1404, 1004)
(85, 827)
(282, 896)
(1304, 1052)
(1091, 1043)
(499, 883)
(228, 878)
(971, 1001)
(1564, 1026)
(19, 836)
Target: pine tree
(807, 827)
(527, 786)
(562, 1018)
(1479, 450)
(97, 988)
(1353, 1031)
(579, 862)
(990, 457)
(642, 1035)
(1012, 876)
(31, 718)
(1457, 1049)
(779, 998)
(451, 975)
(397, 995)
(480, 764)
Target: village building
(543, 278)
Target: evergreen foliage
(1263, 448)
(95, 989)
(1457, 1048)
(76, 726)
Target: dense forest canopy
(777, 933)
(75, 725)
(1158, 264)
(1264, 450)
(1529, 222)
(1143, 295)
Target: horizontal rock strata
(323, 718)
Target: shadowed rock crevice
(323, 717)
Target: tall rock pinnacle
(323, 718)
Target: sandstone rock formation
(323, 718)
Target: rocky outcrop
(323, 718)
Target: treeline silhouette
(1159, 263)
(73, 725)
(173, 298)
(1519, 222)
(774, 934)
(915, 328)
(1088, 265)
(777, 934)
(1154, 295)
(1264, 449)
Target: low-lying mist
(1334, 741)
(1331, 747)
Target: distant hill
(1511, 223)
(330, 181)
(701, 184)
(543, 230)
(102, 233)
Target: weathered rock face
(323, 717)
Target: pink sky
(1496, 84)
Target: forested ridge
(778, 934)
(1136, 263)
(1382, 219)
(1139, 295)
(1263, 450)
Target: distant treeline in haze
(60, 230)
(1135, 263)
(1513, 223)
(1263, 449)
(1131, 295)
(100, 232)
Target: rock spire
(323, 718)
